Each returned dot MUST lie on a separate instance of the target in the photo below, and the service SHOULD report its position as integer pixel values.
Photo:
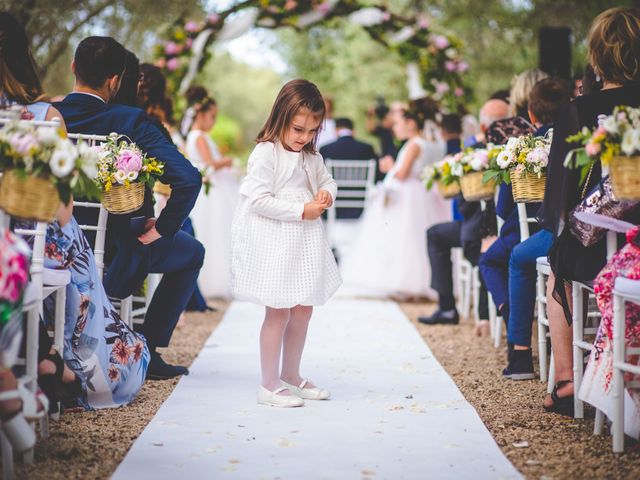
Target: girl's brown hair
(19, 79)
(614, 45)
(294, 96)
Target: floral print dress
(596, 387)
(110, 359)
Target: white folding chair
(462, 280)
(543, 270)
(625, 290)
(355, 179)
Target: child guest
(280, 256)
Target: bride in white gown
(389, 257)
(213, 213)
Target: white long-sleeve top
(269, 169)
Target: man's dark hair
(451, 123)
(546, 98)
(344, 123)
(97, 59)
(500, 95)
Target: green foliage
(227, 134)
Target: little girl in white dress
(280, 256)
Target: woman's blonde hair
(521, 87)
(614, 45)
(294, 96)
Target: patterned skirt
(281, 264)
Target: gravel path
(92, 444)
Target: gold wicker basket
(624, 177)
(32, 198)
(527, 188)
(120, 199)
(449, 191)
(162, 189)
(474, 190)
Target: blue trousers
(522, 285)
(178, 257)
(197, 302)
(494, 268)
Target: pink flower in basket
(592, 148)
(23, 144)
(520, 168)
(129, 161)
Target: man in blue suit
(161, 248)
(346, 147)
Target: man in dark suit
(346, 147)
(162, 248)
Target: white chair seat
(543, 265)
(628, 287)
(56, 277)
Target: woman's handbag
(600, 200)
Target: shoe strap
(303, 383)
(279, 390)
(10, 395)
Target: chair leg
(496, 321)
(58, 334)
(33, 318)
(578, 336)
(126, 307)
(475, 289)
(7, 457)
(617, 417)
(466, 297)
(552, 374)
(542, 329)
(598, 424)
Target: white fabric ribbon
(414, 85)
(367, 17)
(197, 51)
(238, 25)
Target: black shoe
(520, 365)
(160, 370)
(440, 317)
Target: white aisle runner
(395, 413)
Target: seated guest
(346, 147)
(547, 98)
(613, 49)
(494, 263)
(98, 65)
(463, 233)
(380, 124)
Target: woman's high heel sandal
(314, 393)
(561, 405)
(50, 382)
(15, 426)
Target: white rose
(131, 176)
(504, 159)
(457, 170)
(120, 176)
(610, 124)
(511, 143)
(48, 136)
(63, 159)
(90, 158)
(628, 144)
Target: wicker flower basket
(624, 177)
(527, 188)
(162, 189)
(449, 191)
(120, 199)
(474, 190)
(32, 198)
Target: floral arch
(434, 61)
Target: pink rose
(173, 64)
(191, 27)
(160, 63)
(440, 42)
(600, 131)
(442, 87)
(450, 66)
(129, 161)
(424, 23)
(213, 18)
(519, 169)
(188, 42)
(463, 66)
(172, 48)
(459, 91)
(23, 143)
(290, 5)
(592, 149)
(386, 16)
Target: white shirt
(92, 95)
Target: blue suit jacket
(348, 148)
(87, 114)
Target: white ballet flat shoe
(314, 393)
(267, 397)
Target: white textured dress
(278, 259)
(389, 255)
(212, 216)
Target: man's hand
(324, 198)
(312, 210)
(150, 234)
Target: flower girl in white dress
(280, 256)
(213, 212)
(389, 256)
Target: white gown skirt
(389, 256)
(281, 264)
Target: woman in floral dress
(107, 356)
